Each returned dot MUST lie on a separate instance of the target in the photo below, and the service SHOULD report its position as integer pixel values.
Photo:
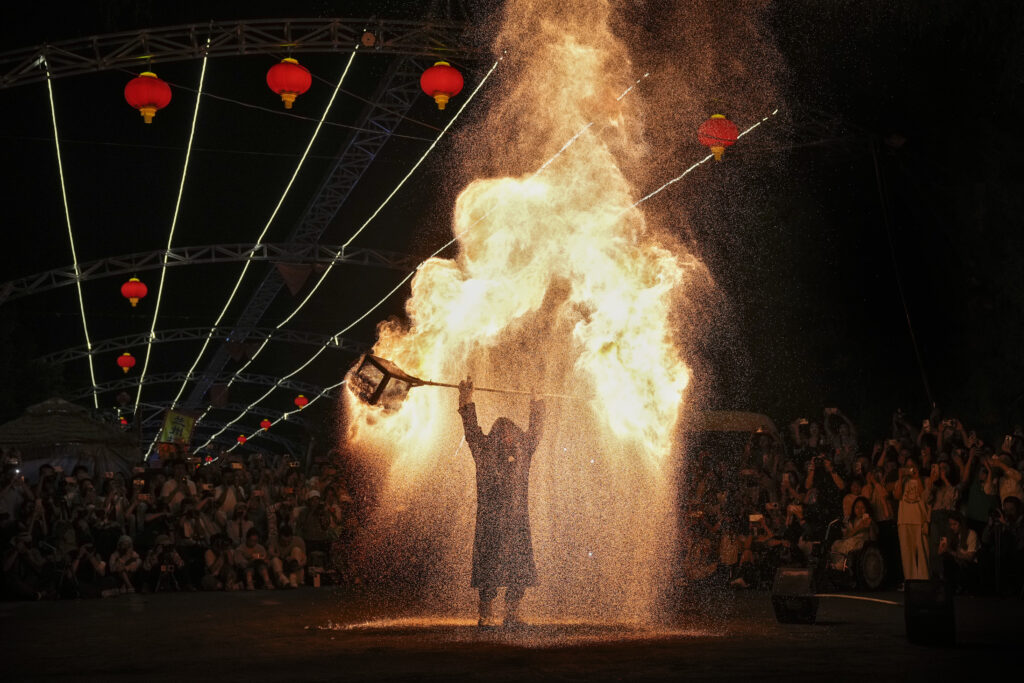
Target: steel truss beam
(137, 50)
(289, 253)
(264, 380)
(198, 333)
(392, 100)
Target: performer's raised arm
(536, 424)
(467, 409)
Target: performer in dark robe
(502, 548)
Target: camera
(236, 465)
(771, 506)
(293, 463)
(139, 482)
(208, 487)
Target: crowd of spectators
(932, 499)
(229, 525)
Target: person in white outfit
(912, 521)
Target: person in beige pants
(912, 522)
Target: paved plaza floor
(325, 634)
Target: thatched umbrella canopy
(62, 433)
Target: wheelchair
(864, 568)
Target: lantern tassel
(288, 98)
(125, 370)
(718, 151)
(147, 113)
(441, 99)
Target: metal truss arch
(115, 344)
(179, 377)
(138, 50)
(129, 264)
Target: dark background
(896, 162)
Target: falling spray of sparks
(560, 286)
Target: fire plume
(560, 285)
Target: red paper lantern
(123, 421)
(126, 361)
(301, 401)
(242, 439)
(718, 133)
(133, 290)
(442, 82)
(289, 79)
(147, 93)
(265, 424)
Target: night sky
(895, 160)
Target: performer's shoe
(513, 623)
(486, 624)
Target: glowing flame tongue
(558, 287)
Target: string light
(174, 224)
(71, 234)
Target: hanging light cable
(174, 224)
(71, 234)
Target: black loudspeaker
(793, 596)
(928, 613)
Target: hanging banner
(177, 428)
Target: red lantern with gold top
(133, 290)
(241, 439)
(718, 133)
(123, 421)
(126, 361)
(289, 79)
(265, 424)
(147, 93)
(301, 401)
(442, 82)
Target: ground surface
(321, 634)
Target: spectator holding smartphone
(942, 499)
(163, 561)
(252, 559)
(226, 497)
(958, 555)
(219, 563)
(912, 521)
(287, 557)
(842, 438)
(858, 528)
(239, 526)
(1008, 477)
(124, 564)
(978, 488)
